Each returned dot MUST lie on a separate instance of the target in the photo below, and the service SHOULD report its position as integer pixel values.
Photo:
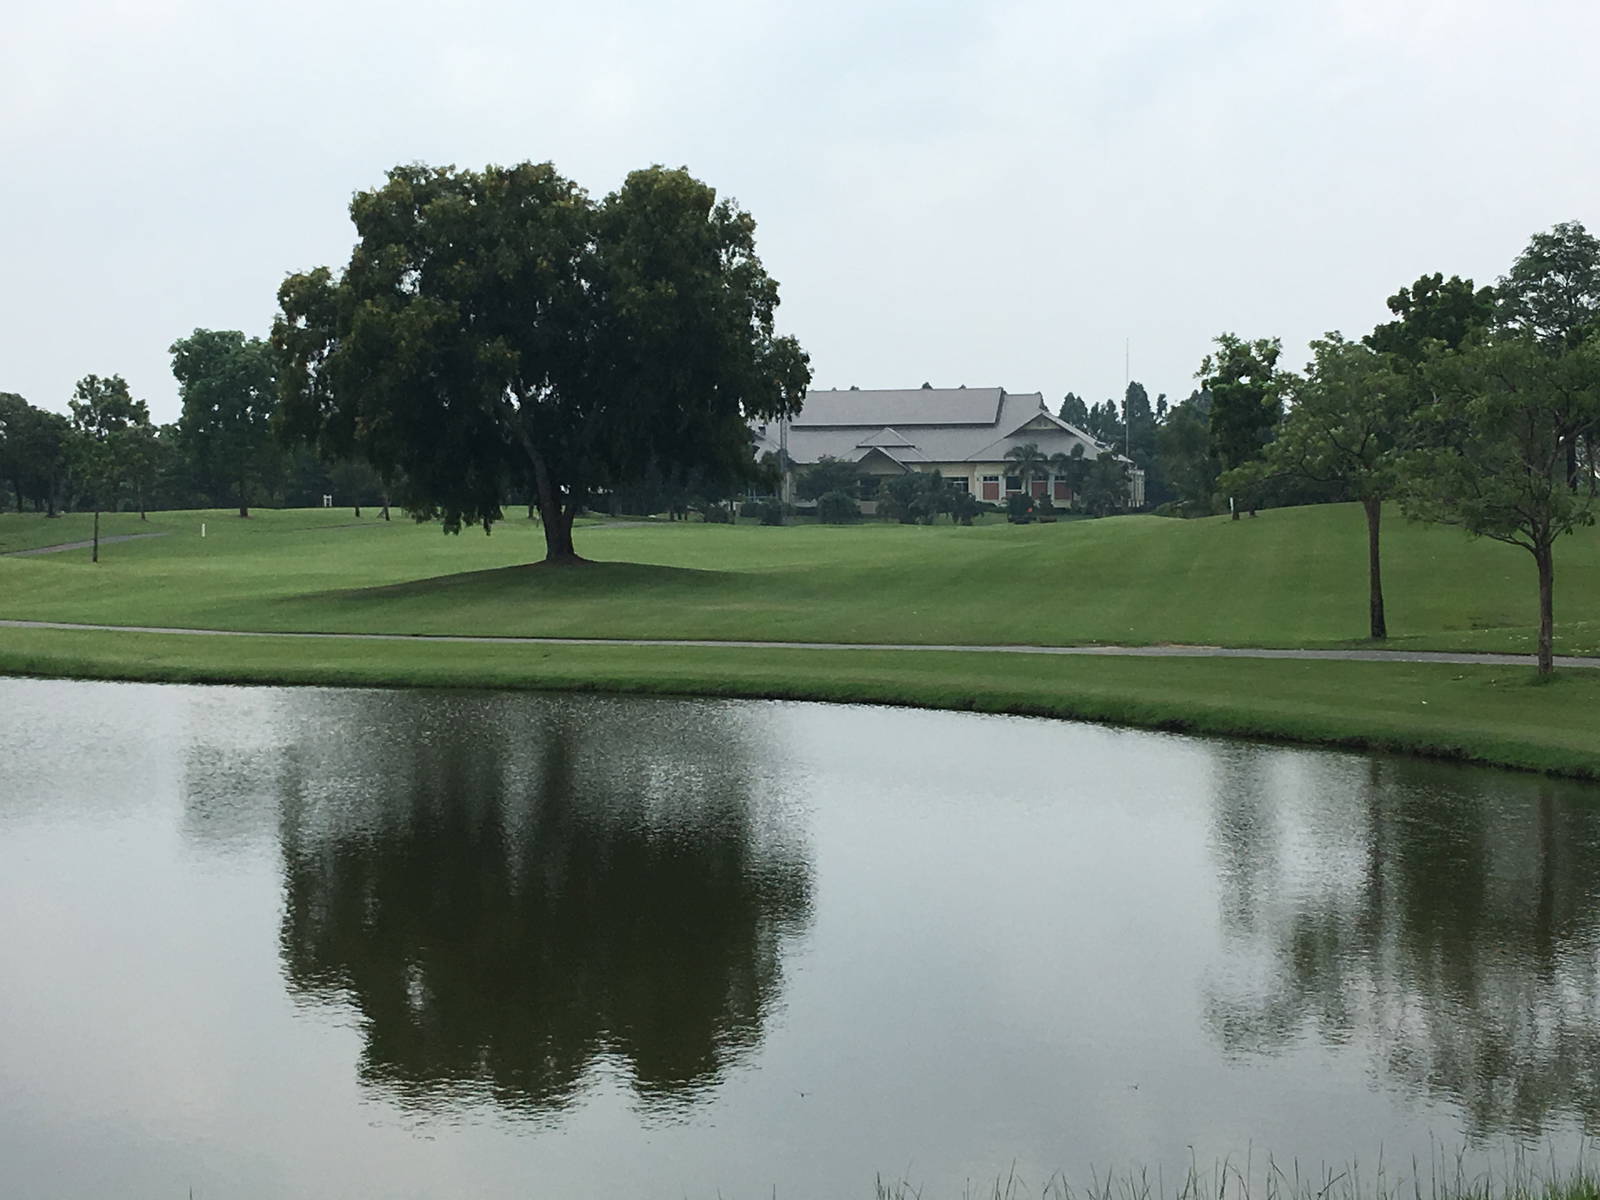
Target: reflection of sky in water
(270, 942)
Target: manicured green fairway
(1293, 577)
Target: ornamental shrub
(837, 508)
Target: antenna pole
(1127, 379)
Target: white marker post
(202, 529)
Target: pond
(272, 942)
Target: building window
(869, 486)
(1013, 483)
(960, 483)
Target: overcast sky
(996, 193)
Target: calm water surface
(265, 943)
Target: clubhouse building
(963, 433)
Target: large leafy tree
(498, 332)
(13, 421)
(1104, 424)
(1432, 310)
(1246, 400)
(1138, 424)
(1183, 449)
(34, 452)
(1492, 458)
(1552, 291)
(1345, 426)
(228, 383)
(1074, 411)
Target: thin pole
(1127, 381)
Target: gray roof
(900, 407)
(980, 424)
(983, 424)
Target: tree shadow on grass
(534, 581)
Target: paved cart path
(105, 541)
(1406, 656)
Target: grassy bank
(1475, 714)
(1293, 577)
(1444, 1177)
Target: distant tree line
(106, 454)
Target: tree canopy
(111, 439)
(497, 331)
(228, 384)
(1245, 396)
(1552, 292)
(1433, 309)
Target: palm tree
(1027, 460)
(1070, 467)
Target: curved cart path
(1406, 656)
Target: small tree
(104, 418)
(1552, 294)
(1105, 490)
(1492, 458)
(1348, 415)
(828, 474)
(1073, 468)
(963, 506)
(838, 508)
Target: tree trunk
(358, 512)
(94, 554)
(244, 504)
(555, 517)
(1379, 628)
(1545, 557)
(557, 523)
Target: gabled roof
(886, 437)
(982, 424)
(899, 407)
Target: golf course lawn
(1291, 578)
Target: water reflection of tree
(507, 897)
(1444, 920)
